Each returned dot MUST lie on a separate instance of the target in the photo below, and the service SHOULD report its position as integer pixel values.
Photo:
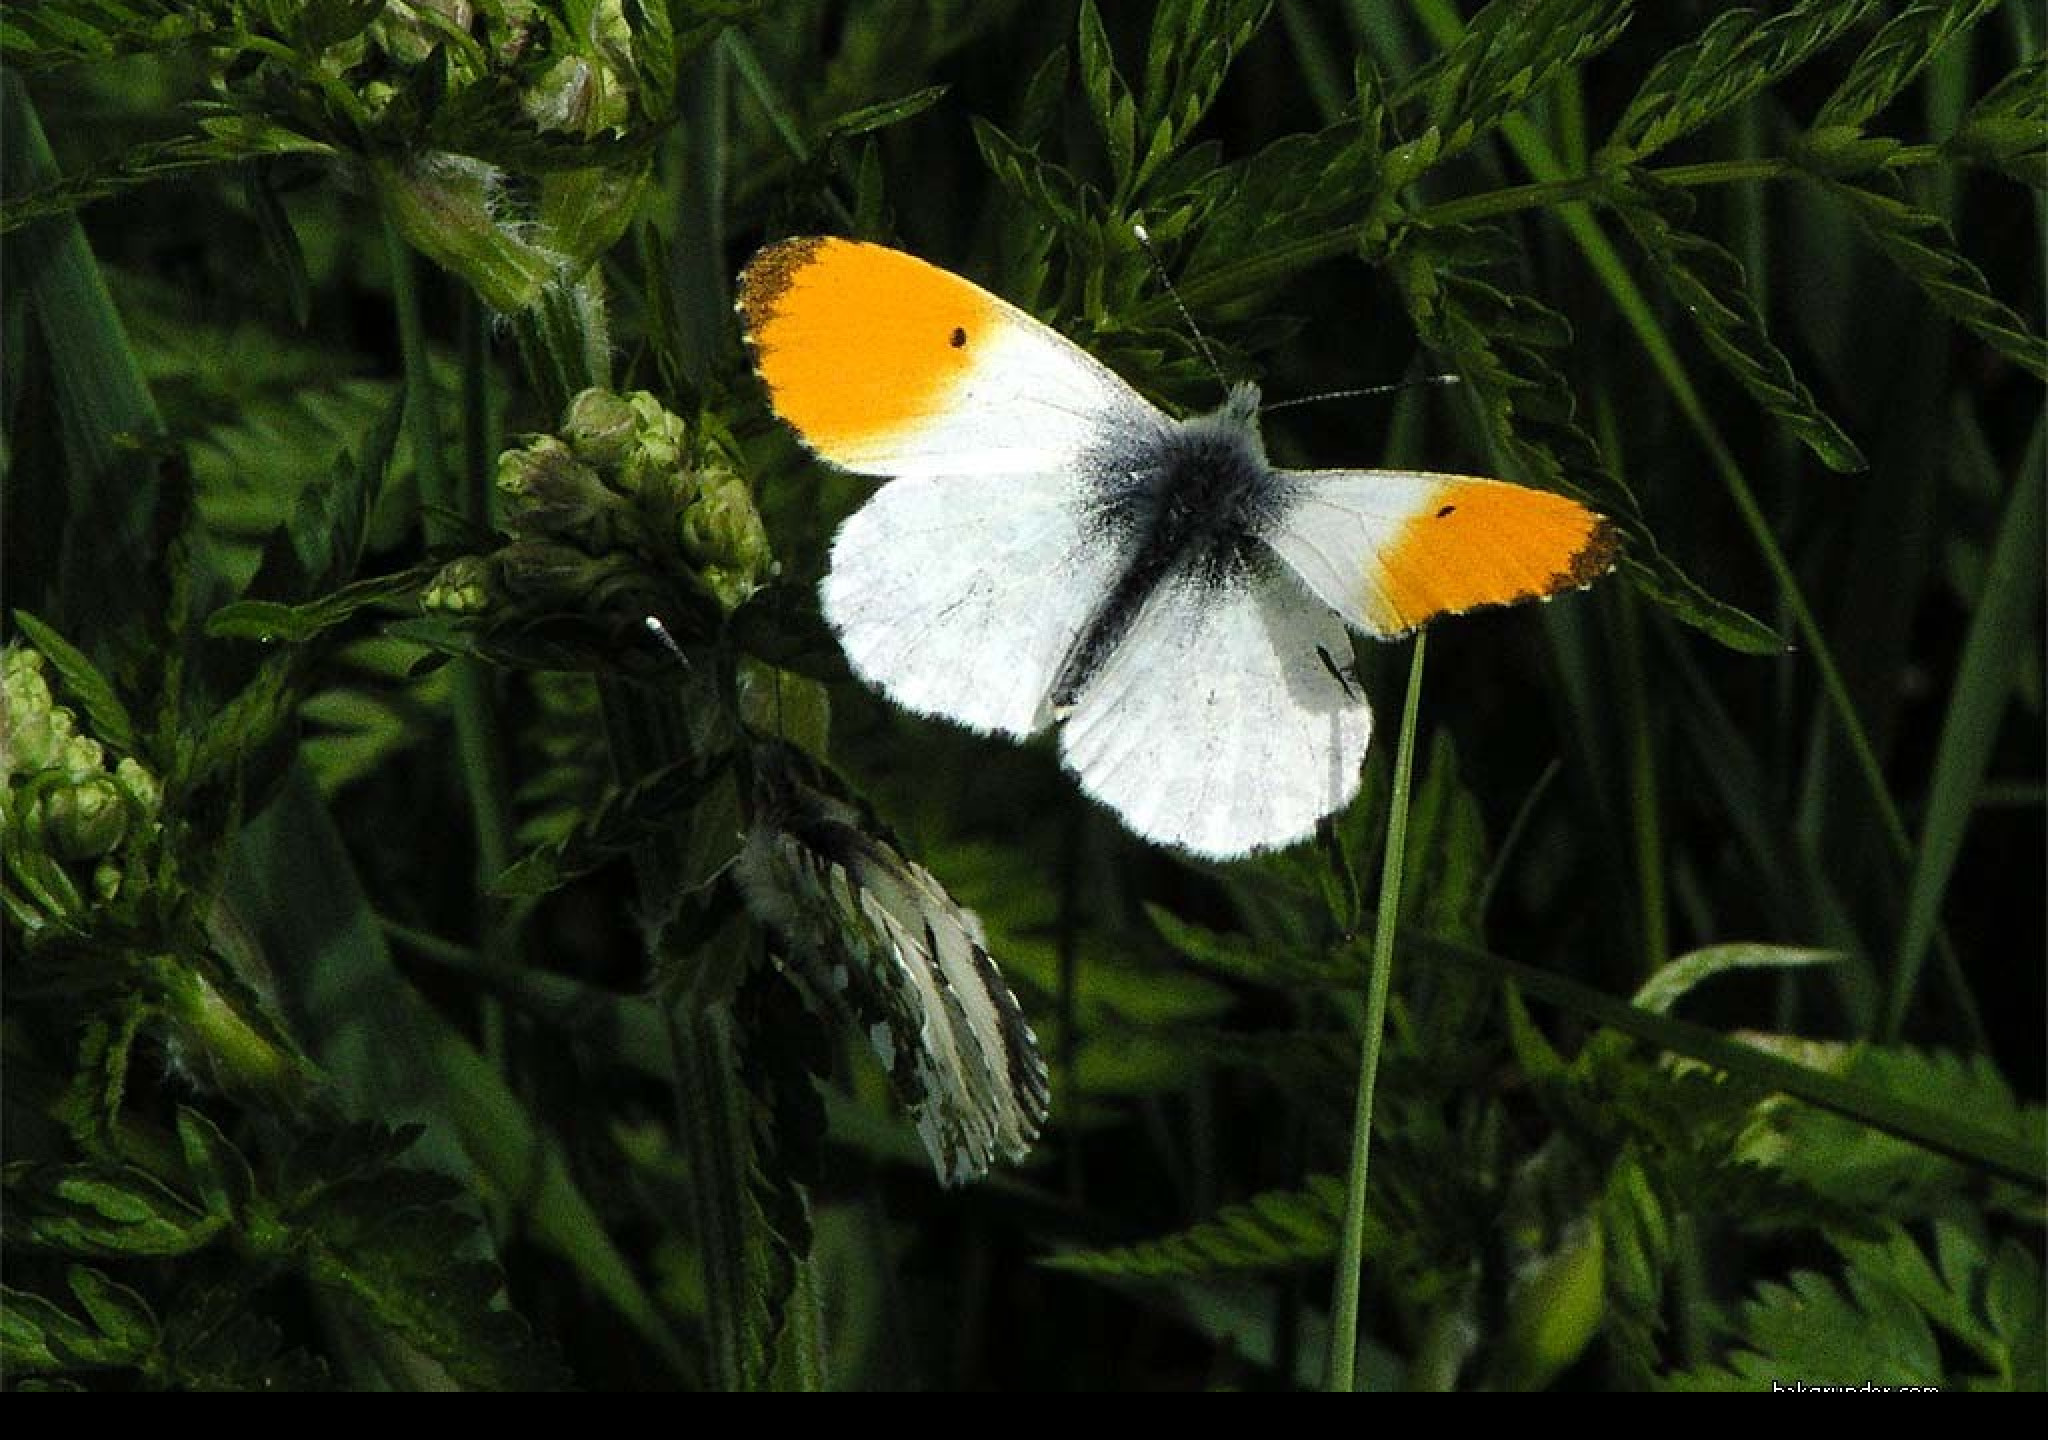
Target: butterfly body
(1052, 548)
(1188, 507)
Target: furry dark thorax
(1191, 506)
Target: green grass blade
(102, 403)
(395, 1059)
(1991, 657)
(1351, 1256)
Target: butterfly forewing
(1390, 550)
(886, 365)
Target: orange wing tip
(1484, 542)
(859, 345)
(770, 275)
(1594, 559)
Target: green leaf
(885, 113)
(1919, 243)
(1898, 52)
(623, 819)
(53, 33)
(2011, 1158)
(1241, 957)
(39, 1337)
(1099, 82)
(83, 684)
(274, 622)
(100, 1211)
(225, 1183)
(147, 163)
(1738, 54)
(1678, 593)
(1679, 977)
(2008, 128)
(1878, 1172)
(1511, 51)
(101, 519)
(1709, 285)
(1273, 1232)
(1874, 1323)
(1192, 46)
(1043, 189)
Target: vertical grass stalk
(1342, 1375)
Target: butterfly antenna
(1144, 238)
(1368, 390)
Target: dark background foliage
(306, 1083)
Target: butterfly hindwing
(1219, 723)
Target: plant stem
(442, 498)
(1229, 280)
(1350, 1261)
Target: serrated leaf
(1872, 1325)
(101, 1211)
(1272, 1232)
(1044, 189)
(83, 684)
(1511, 51)
(122, 1316)
(1241, 957)
(2008, 128)
(623, 819)
(1878, 1172)
(1898, 52)
(1738, 54)
(1709, 285)
(1098, 73)
(53, 33)
(38, 1336)
(1919, 243)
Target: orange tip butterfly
(1052, 548)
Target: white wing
(960, 597)
(1217, 724)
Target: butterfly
(1051, 548)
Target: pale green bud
(84, 758)
(27, 740)
(85, 820)
(141, 787)
(659, 453)
(599, 428)
(548, 492)
(723, 534)
(461, 587)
